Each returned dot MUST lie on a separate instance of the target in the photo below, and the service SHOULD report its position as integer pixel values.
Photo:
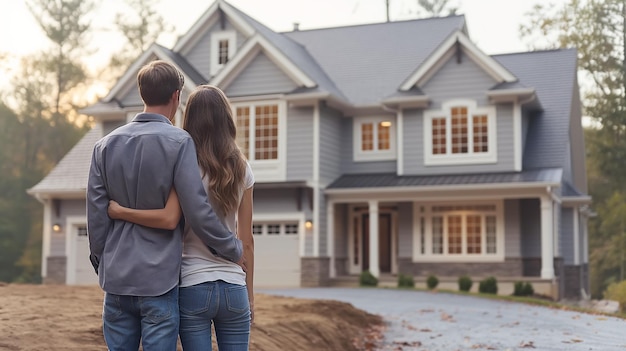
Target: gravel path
(425, 321)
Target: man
(138, 267)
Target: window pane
(223, 52)
(384, 135)
(459, 130)
(480, 135)
(266, 132)
(474, 234)
(437, 235)
(439, 135)
(367, 137)
(273, 229)
(490, 230)
(291, 228)
(243, 129)
(257, 229)
(455, 235)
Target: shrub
(432, 282)
(465, 283)
(617, 292)
(405, 281)
(488, 285)
(367, 279)
(523, 289)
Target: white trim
(71, 223)
(374, 155)
(491, 156)
(517, 136)
(428, 256)
(248, 51)
(576, 237)
(547, 240)
(267, 170)
(330, 235)
(352, 214)
(46, 240)
(400, 139)
(216, 37)
(374, 245)
(316, 181)
(434, 61)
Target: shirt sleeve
(249, 181)
(196, 207)
(98, 220)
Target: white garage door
(84, 273)
(276, 254)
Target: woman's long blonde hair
(208, 119)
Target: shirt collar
(150, 117)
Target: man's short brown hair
(157, 81)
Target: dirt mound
(58, 317)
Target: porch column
(547, 240)
(373, 238)
(330, 230)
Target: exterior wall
(405, 230)
(577, 140)
(512, 229)
(341, 239)
(57, 270)
(511, 267)
(571, 282)
(332, 131)
(348, 165)
(199, 56)
(132, 97)
(261, 76)
(314, 271)
(275, 201)
(531, 228)
(66, 208)
(299, 140)
(566, 237)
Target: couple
(163, 249)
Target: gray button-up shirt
(137, 165)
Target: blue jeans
(152, 319)
(219, 302)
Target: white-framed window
(275, 228)
(374, 138)
(468, 232)
(223, 46)
(460, 133)
(262, 137)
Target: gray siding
(67, 208)
(453, 81)
(341, 231)
(200, 55)
(405, 230)
(566, 238)
(531, 228)
(299, 144)
(577, 147)
(567, 164)
(132, 97)
(322, 228)
(348, 166)
(512, 241)
(261, 76)
(275, 201)
(330, 144)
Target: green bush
(432, 282)
(488, 285)
(405, 281)
(367, 279)
(465, 283)
(617, 292)
(523, 289)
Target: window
(374, 139)
(460, 133)
(275, 229)
(262, 144)
(223, 45)
(460, 231)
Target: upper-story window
(261, 136)
(223, 46)
(460, 133)
(374, 138)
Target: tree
(140, 29)
(436, 8)
(597, 29)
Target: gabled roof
(69, 176)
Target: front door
(384, 242)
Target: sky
(492, 24)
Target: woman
(212, 289)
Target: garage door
(84, 274)
(276, 254)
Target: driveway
(425, 321)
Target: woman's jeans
(219, 302)
(152, 319)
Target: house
(394, 148)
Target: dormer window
(460, 133)
(374, 138)
(223, 45)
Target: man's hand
(114, 209)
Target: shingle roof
(549, 175)
(71, 173)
